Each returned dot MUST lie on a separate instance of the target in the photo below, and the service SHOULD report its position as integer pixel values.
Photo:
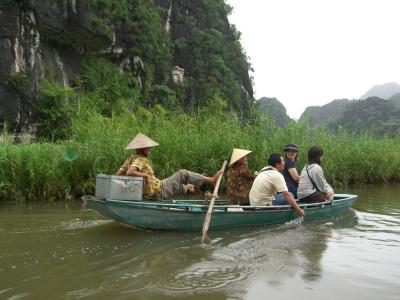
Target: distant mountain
(323, 115)
(275, 109)
(384, 91)
(395, 99)
(375, 115)
(377, 112)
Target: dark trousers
(315, 197)
(177, 183)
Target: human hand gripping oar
(210, 208)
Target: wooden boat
(189, 215)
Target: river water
(63, 252)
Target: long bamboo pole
(210, 208)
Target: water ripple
(204, 278)
(19, 296)
(78, 294)
(378, 227)
(82, 224)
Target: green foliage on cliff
(146, 38)
(199, 40)
(102, 85)
(107, 15)
(209, 66)
(54, 110)
(18, 82)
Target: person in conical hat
(138, 165)
(140, 141)
(142, 144)
(239, 178)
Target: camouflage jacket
(153, 184)
(239, 180)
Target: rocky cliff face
(51, 37)
(184, 20)
(39, 37)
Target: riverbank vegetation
(51, 171)
(82, 131)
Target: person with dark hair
(269, 182)
(239, 178)
(183, 181)
(313, 186)
(290, 171)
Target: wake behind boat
(189, 215)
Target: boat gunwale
(187, 207)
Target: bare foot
(216, 176)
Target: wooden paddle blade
(210, 208)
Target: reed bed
(60, 170)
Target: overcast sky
(311, 52)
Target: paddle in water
(210, 208)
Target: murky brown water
(67, 253)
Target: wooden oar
(210, 208)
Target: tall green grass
(43, 172)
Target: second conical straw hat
(238, 154)
(141, 141)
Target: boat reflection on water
(178, 265)
(316, 240)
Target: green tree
(54, 110)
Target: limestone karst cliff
(163, 42)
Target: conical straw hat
(238, 154)
(141, 141)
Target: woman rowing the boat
(239, 178)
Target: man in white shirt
(269, 182)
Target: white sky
(311, 52)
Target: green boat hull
(189, 215)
